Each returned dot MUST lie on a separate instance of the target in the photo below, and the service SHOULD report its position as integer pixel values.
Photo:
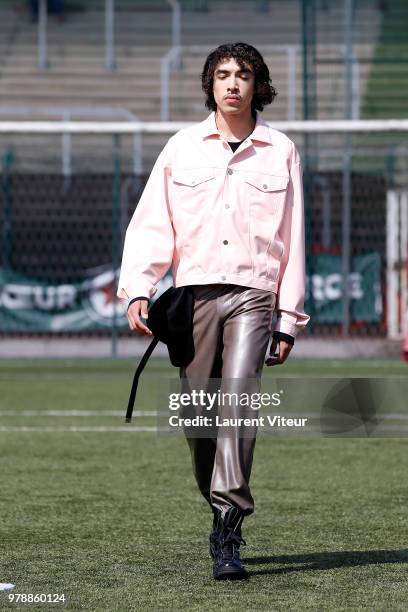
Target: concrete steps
(77, 77)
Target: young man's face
(233, 87)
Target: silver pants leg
(231, 328)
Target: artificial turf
(113, 519)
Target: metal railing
(66, 113)
(169, 61)
(110, 63)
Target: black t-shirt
(234, 145)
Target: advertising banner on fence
(324, 287)
(88, 305)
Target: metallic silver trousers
(231, 329)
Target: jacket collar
(261, 132)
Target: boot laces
(229, 545)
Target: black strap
(136, 377)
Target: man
(224, 207)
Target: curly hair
(242, 53)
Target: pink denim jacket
(221, 217)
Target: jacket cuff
(287, 326)
(127, 293)
(277, 335)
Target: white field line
(77, 413)
(96, 428)
(155, 413)
(133, 429)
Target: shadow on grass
(326, 560)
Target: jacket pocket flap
(192, 177)
(268, 182)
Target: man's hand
(284, 350)
(135, 311)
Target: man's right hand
(135, 311)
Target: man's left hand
(281, 356)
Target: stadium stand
(76, 74)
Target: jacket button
(265, 186)
(223, 278)
(225, 242)
(227, 206)
(230, 171)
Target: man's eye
(242, 76)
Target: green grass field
(113, 520)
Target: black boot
(227, 540)
(213, 537)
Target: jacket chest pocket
(265, 198)
(265, 195)
(192, 188)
